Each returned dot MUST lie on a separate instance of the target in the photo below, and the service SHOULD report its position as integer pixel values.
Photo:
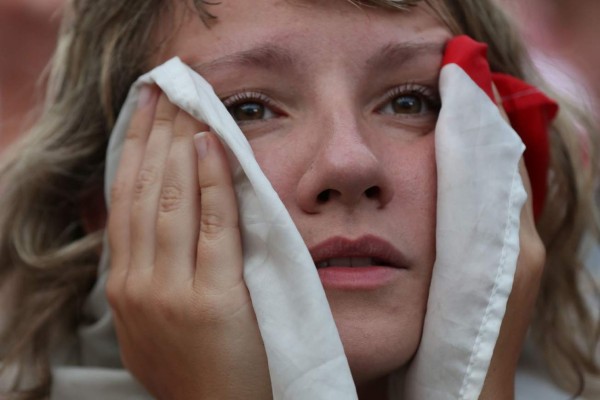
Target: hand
(500, 380)
(182, 312)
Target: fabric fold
(480, 196)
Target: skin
(173, 231)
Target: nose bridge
(345, 148)
(346, 169)
(339, 123)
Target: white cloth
(480, 195)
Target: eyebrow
(272, 56)
(269, 56)
(394, 55)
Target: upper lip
(366, 246)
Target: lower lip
(357, 278)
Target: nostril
(372, 192)
(324, 196)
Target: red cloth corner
(529, 110)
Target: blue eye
(411, 99)
(249, 107)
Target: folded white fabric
(480, 196)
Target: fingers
(179, 205)
(219, 254)
(147, 188)
(121, 193)
(175, 214)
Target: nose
(345, 170)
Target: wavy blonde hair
(50, 260)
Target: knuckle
(212, 224)
(537, 254)
(135, 134)
(134, 296)
(162, 123)
(533, 256)
(171, 197)
(147, 176)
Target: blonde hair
(104, 46)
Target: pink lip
(389, 263)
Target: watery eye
(408, 104)
(249, 107)
(248, 112)
(411, 100)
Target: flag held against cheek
(480, 196)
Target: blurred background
(564, 41)
(28, 30)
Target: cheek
(283, 161)
(415, 165)
(414, 176)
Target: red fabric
(530, 113)
(471, 56)
(529, 110)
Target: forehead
(319, 26)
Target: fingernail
(144, 96)
(201, 143)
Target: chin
(369, 363)
(377, 340)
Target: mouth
(356, 262)
(365, 251)
(366, 263)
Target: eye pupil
(248, 112)
(407, 104)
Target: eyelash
(427, 93)
(247, 96)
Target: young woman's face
(339, 104)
